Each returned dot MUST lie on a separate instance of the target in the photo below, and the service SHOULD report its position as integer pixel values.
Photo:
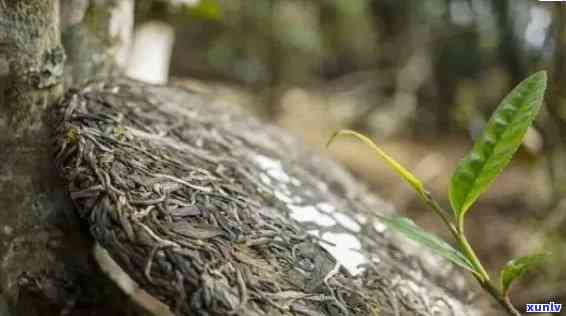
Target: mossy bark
(46, 265)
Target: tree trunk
(96, 36)
(46, 261)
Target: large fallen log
(215, 213)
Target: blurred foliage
(205, 10)
(450, 59)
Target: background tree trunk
(96, 36)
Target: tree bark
(46, 261)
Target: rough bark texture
(46, 267)
(205, 208)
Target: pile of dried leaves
(177, 190)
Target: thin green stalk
(481, 275)
(503, 300)
(438, 210)
(457, 234)
(469, 252)
(461, 224)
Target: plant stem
(502, 299)
(468, 251)
(457, 234)
(481, 274)
(509, 307)
(431, 202)
(483, 277)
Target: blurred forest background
(419, 77)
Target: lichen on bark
(46, 265)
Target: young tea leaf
(401, 171)
(410, 230)
(515, 268)
(493, 150)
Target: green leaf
(401, 171)
(502, 136)
(516, 268)
(410, 230)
